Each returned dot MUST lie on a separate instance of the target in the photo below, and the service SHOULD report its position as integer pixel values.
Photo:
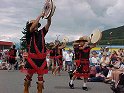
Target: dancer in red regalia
(36, 52)
(58, 56)
(12, 57)
(82, 61)
(52, 56)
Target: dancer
(12, 57)
(58, 54)
(52, 56)
(36, 52)
(82, 62)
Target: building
(5, 45)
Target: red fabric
(59, 58)
(85, 68)
(11, 57)
(77, 62)
(38, 70)
(37, 55)
(28, 71)
(85, 75)
(52, 57)
(54, 63)
(86, 64)
(43, 42)
(32, 71)
(42, 69)
(87, 50)
(40, 78)
(32, 63)
(28, 78)
(12, 53)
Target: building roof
(5, 43)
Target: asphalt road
(12, 82)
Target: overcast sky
(72, 18)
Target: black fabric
(76, 51)
(84, 54)
(56, 51)
(38, 39)
(121, 79)
(105, 71)
(37, 62)
(97, 79)
(12, 61)
(79, 68)
(12, 52)
(52, 53)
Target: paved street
(12, 82)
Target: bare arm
(62, 46)
(48, 24)
(82, 47)
(36, 22)
(92, 46)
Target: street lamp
(110, 40)
(57, 37)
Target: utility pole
(110, 40)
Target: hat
(119, 57)
(32, 21)
(106, 47)
(110, 65)
(76, 42)
(70, 50)
(84, 39)
(94, 52)
(51, 44)
(103, 64)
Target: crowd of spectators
(4, 60)
(107, 66)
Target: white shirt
(122, 66)
(109, 73)
(106, 61)
(64, 54)
(68, 56)
(94, 60)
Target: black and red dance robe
(52, 55)
(36, 60)
(58, 57)
(83, 64)
(12, 56)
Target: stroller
(120, 86)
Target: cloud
(109, 12)
(114, 14)
(72, 18)
(10, 37)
